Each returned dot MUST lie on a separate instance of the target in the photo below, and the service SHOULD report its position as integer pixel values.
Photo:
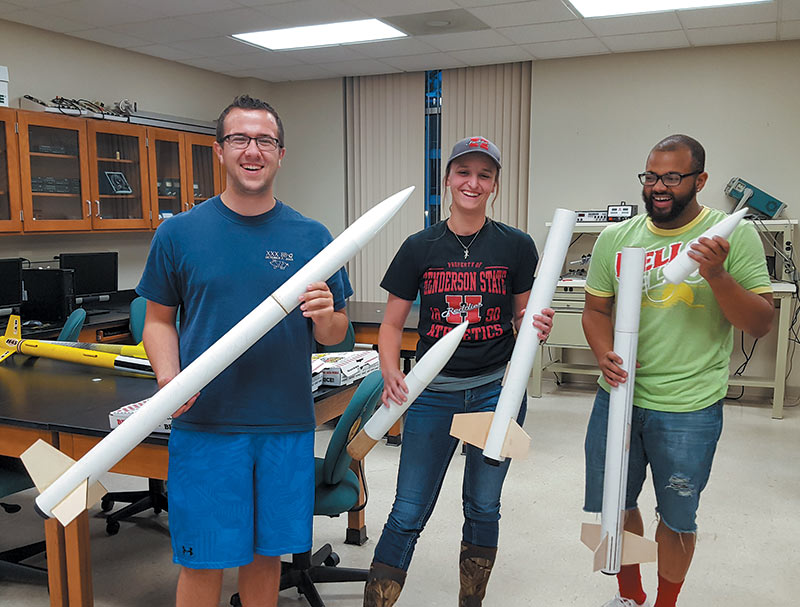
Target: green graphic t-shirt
(685, 341)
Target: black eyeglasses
(670, 179)
(265, 143)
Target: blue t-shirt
(218, 266)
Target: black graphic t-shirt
(479, 288)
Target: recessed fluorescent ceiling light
(606, 8)
(326, 34)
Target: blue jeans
(679, 447)
(426, 454)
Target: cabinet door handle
(97, 202)
(89, 204)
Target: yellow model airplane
(12, 342)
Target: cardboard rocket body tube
(417, 380)
(504, 437)
(208, 365)
(609, 539)
(677, 270)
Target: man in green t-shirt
(685, 343)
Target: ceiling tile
(299, 72)
(325, 54)
(395, 48)
(733, 34)
(361, 67)
(419, 63)
(729, 15)
(523, 13)
(790, 10)
(393, 8)
(213, 47)
(567, 48)
(45, 20)
(466, 40)
(528, 34)
(236, 21)
(104, 36)
(101, 13)
(163, 51)
(178, 8)
(36, 3)
(474, 3)
(260, 60)
(207, 63)
(164, 31)
(310, 12)
(646, 42)
(7, 7)
(486, 56)
(634, 24)
(790, 30)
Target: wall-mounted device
(621, 211)
(586, 216)
(749, 195)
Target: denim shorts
(235, 495)
(679, 447)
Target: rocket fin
(517, 442)
(600, 555)
(71, 506)
(14, 330)
(45, 463)
(472, 428)
(6, 354)
(590, 535)
(637, 549)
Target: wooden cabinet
(10, 220)
(119, 177)
(66, 174)
(186, 171)
(54, 173)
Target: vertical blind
(492, 101)
(385, 145)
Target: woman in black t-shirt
(465, 268)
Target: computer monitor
(50, 294)
(10, 285)
(95, 274)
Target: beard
(679, 203)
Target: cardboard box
(123, 413)
(343, 368)
(3, 86)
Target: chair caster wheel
(236, 601)
(331, 560)
(106, 504)
(112, 527)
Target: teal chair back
(346, 345)
(337, 487)
(72, 328)
(13, 476)
(136, 321)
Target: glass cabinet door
(9, 174)
(168, 196)
(54, 179)
(118, 168)
(203, 176)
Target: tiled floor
(747, 552)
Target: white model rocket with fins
(417, 380)
(67, 494)
(498, 433)
(612, 545)
(677, 270)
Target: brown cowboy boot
(475, 566)
(383, 585)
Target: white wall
(595, 120)
(45, 64)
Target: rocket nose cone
(378, 216)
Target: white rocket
(417, 380)
(611, 544)
(498, 433)
(67, 488)
(677, 270)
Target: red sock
(629, 580)
(667, 593)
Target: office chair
(337, 492)
(136, 318)
(14, 478)
(346, 345)
(72, 328)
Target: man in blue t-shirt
(241, 452)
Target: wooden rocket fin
(637, 549)
(472, 428)
(517, 442)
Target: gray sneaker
(618, 601)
